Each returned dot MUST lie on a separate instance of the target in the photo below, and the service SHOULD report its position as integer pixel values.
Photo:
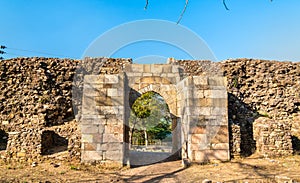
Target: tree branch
(183, 11)
(224, 3)
(146, 5)
(185, 6)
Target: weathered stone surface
(92, 155)
(89, 146)
(208, 155)
(273, 138)
(256, 88)
(36, 95)
(87, 138)
(198, 138)
(220, 136)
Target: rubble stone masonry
(37, 112)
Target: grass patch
(72, 167)
(264, 114)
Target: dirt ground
(252, 169)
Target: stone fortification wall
(36, 112)
(36, 93)
(262, 88)
(256, 88)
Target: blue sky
(66, 28)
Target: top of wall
(38, 91)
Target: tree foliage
(161, 130)
(150, 115)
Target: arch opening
(151, 129)
(150, 124)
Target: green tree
(161, 130)
(150, 115)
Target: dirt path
(243, 170)
(246, 170)
(162, 172)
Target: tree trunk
(131, 137)
(146, 138)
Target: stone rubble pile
(262, 88)
(235, 140)
(270, 87)
(273, 138)
(199, 68)
(24, 145)
(36, 96)
(35, 90)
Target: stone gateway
(233, 108)
(198, 106)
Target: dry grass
(253, 169)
